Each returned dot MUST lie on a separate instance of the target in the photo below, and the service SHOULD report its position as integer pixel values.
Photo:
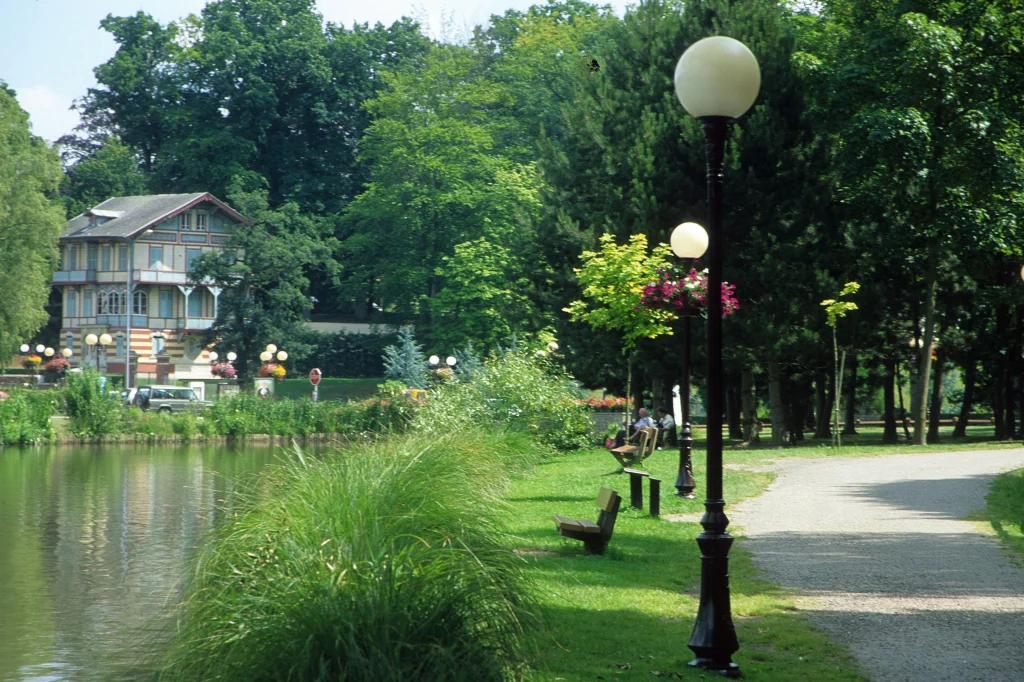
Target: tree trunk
(732, 407)
(850, 427)
(797, 409)
(903, 408)
(925, 357)
(748, 399)
(970, 376)
(778, 410)
(889, 434)
(822, 408)
(999, 380)
(1011, 406)
(935, 418)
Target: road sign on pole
(314, 378)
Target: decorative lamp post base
(714, 635)
(685, 483)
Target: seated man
(644, 422)
(667, 426)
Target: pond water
(94, 542)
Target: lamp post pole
(689, 242)
(685, 482)
(717, 80)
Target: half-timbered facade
(143, 244)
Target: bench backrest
(606, 499)
(650, 443)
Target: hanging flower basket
(32, 362)
(685, 293)
(272, 371)
(57, 366)
(224, 370)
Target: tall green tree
(30, 223)
(112, 170)
(264, 272)
(926, 113)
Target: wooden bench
(595, 536)
(630, 454)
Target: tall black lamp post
(689, 241)
(716, 80)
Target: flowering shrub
(32, 362)
(57, 365)
(273, 371)
(680, 292)
(224, 370)
(608, 404)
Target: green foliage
(29, 225)
(92, 409)
(405, 361)
(383, 562)
(112, 170)
(1005, 510)
(613, 279)
(25, 417)
(518, 389)
(245, 415)
(340, 354)
(837, 309)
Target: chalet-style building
(145, 243)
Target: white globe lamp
(717, 76)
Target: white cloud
(48, 111)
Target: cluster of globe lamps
(271, 352)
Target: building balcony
(138, 321)
(160, 277)
(198, 322)
(73, 276)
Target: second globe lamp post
(689, 241)
(716, 80)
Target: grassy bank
(1005, 511)
(329, 389)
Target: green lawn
(628, 615)
(1005, 511)
(330, 389)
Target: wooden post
(655, 497)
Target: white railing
(160, 277)
(199, 322)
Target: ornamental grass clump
(25, 417)
(385, 562)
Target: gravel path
(878, 550)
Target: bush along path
(888, 563)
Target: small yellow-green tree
(836, 309)
(613, 280)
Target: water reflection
(93, 543)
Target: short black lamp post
(716, 80)
(689, 241)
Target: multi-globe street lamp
(689, 241)
(435, 361)
(716, 80)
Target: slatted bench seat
(595, 536)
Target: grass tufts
(386, 561)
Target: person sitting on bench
(644, 422)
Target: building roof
(125, 217)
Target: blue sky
(48, 48)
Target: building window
(69, 341)
(165, 304)
(200, 222)
(119, 352)
(92, 256)
(87, 303)
(71, 305)
(122, 258)
(185, 222)
(159, 343)
(111, 303)
(105, 258)
(141, 303)
(190, 256)
(156, 257)
(195, 304)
